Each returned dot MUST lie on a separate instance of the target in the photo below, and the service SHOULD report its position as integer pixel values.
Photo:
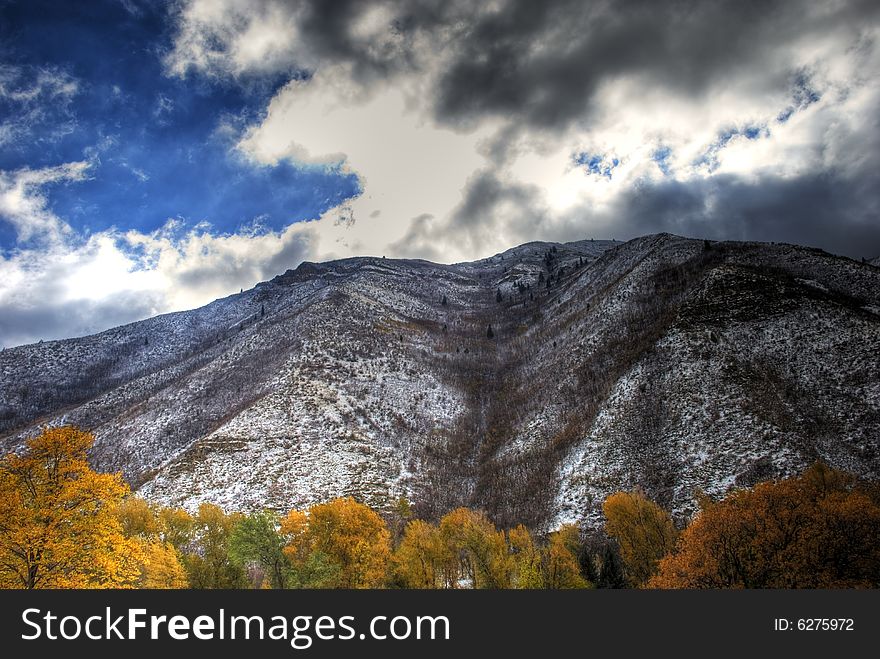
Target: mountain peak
(666, 363)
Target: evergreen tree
(489, 333)
(611, 570)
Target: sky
(155, 156)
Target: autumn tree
(57, 525)
(480, 548)
(207, 563)
(352, 537)
(527, 561)
(158, 558)
(643, 530)
(817, 530)
(562, 568)
(160, 566)
(137, 517)
(177, 526)
(309, 567)
(422, 560)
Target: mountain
(670, 364)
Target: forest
(64, 525)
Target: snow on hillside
(662, 363)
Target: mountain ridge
(666, 363)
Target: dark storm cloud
(418, 242)
(829, 209)
(542, 63)
(483, 193)
(489, 206)
(295, 250)
(54, 319)
(820, 210)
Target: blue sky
(156, 155)
(160, 146)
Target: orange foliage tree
(818, 530)
(57, 523)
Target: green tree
(401, 515)
(208, 564)
(255, 541)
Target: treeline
(62, 525)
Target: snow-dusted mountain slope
(665, 363)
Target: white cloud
(235, 37)
(24, 205)
(411, 166)
(31, 91)
(57, 284)
(440, 185)
(406, 165)
(47, 83)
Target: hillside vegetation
(530, 385)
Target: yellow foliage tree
(818, 530)
(161, 566)
(342, 538)
(295, 529)
(526, 559)
(563, 570)
(643, 530)
(481, 550)
(176, 526)
(422, 560)
(138, 518)
(147, 527)
(57, 523)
